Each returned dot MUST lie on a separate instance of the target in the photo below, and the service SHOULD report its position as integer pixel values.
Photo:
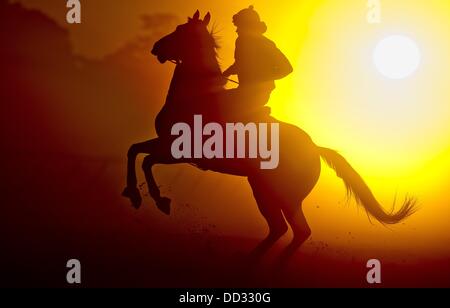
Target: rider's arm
(233, 70)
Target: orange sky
(105, 27)
(415, 156)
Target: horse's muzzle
(155, 52)
(161, 59)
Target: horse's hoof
(134, 195)
(163, 205)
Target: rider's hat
(248, 19)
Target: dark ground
(46, 221)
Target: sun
(397, 57)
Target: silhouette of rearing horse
(279, 193)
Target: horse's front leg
(131, 191)
(162, 203)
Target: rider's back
(259, 61)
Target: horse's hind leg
(296, 219)
(131, 191)
(274, 217)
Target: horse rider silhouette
(258, 62)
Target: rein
(230, 80)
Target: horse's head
(188, 43)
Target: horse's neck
(191, 81)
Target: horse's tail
(357, 188)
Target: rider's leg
(247, 102)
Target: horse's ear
(207, 19)
(196, 15)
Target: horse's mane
(215, 46)
(210, 54)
